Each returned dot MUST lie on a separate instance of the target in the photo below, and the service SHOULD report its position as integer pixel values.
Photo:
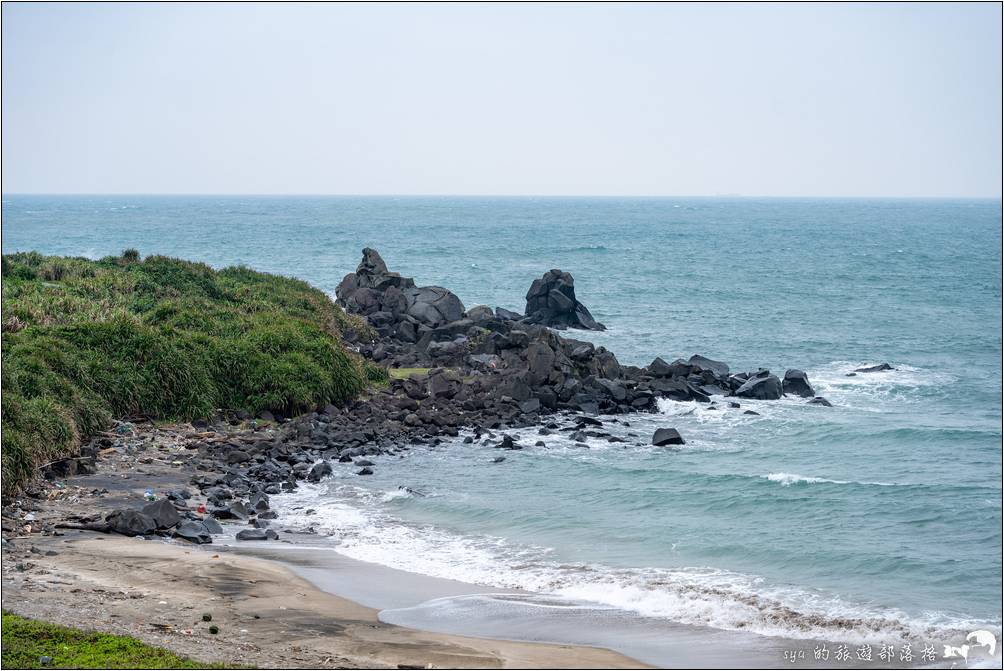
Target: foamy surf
(789, 479)
(701, 596)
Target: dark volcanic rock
(509, 315)
(718, 368)
(162, 512)
(551, 302)
(237, 456)
(667, 437)
(479, 313)
(797, 383)
(874, 369)
(319, 471)
(387, 298)
(819, 400)
(660, 368)
(433, 305)
(194, 532)
(257, 535)
(131, 523)
(764, 388)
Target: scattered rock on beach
(257, 535)
(194, 532)
(131, 523)
(163, 513)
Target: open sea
(878, 519)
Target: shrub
(161, 338)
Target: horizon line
(736, 196)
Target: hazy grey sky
(503, 99)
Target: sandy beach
(267, 615)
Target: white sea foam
(691, 595)
(834, 380)
(788, 479)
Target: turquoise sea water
(875, 519)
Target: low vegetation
(85, 341)
(30, 644)
(405, 373)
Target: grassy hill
(85, 341)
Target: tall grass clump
(85, 341)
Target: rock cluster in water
(514, 364)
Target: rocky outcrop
(492, 367)
(387, 299)
(551, 302)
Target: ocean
(876, 520)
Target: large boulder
(663, 437)
(765, 388)
(551, 302)
(433, 305)
(796, 383)
(319, 471)
(540, 360)
(194, 532)
(131, 523)
(718, 368)
(163, 513)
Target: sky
(496, 99)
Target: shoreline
(268, 615)
(417, 601)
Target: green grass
(26, 641)
(378, 375)
(85, 341)
(404, 373)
